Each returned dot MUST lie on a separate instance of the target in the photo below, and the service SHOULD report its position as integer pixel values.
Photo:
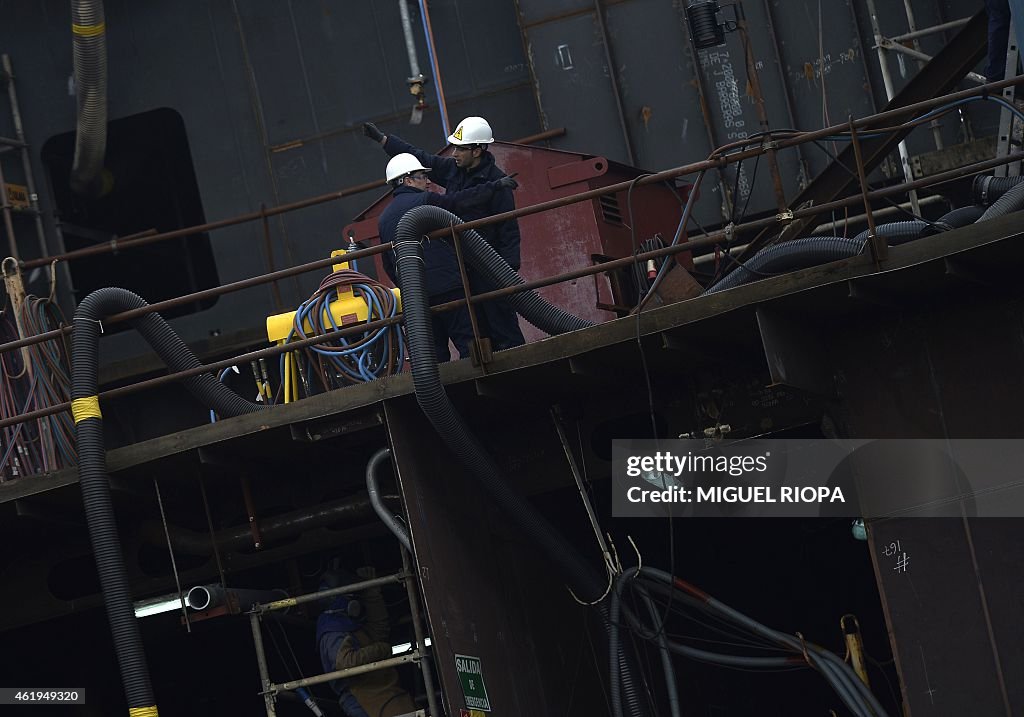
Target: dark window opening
(152, 186)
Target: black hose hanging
(433, 400)
(92, 468)
(90, 64)
(484, 258)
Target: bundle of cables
(355, 358)
(35, 377)
(643, 273)
(657, 594)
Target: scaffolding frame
(419, 653)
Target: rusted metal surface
(762, 115)
(579, 171)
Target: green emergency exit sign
(471, 675)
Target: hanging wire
(35, 377)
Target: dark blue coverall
(500, 318)
(443, 280)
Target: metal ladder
(17, 200)
(1009, 140)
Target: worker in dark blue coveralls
(472, 165)
(352, 631)
(443, 279)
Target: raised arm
(472, 196)
(444, 168)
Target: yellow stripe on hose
(83, 408)
(142, 711)
(89, 30)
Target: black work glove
(507, 183)
(371, 131)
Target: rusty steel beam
(149, 238)
(193, 542)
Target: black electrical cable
(847, 686)
(647, 374)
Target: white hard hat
(401, 165)
(472, 130)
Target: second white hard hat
(472, 130)
(401, 165)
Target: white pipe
(889, 94)
(951, 25)
(410, 43)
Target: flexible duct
(484, 258)
(1012, 201)
(788, 256)
(378, 505)
(895, 233)
(432, 399)
(90, 64)
(986, 189)
(92, 469)
(955, 219)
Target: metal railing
(723, 156)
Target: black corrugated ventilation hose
(896, 232)
(90, 62)
(1012, 201)
(92, 468)
(485, 259)
(986, 189)
(955, 219)
(789, 256)
(433, 400)
(1002, 195)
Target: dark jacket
(503, 236)
(440, 263)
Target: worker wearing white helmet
(443, 280)
(472, 165)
